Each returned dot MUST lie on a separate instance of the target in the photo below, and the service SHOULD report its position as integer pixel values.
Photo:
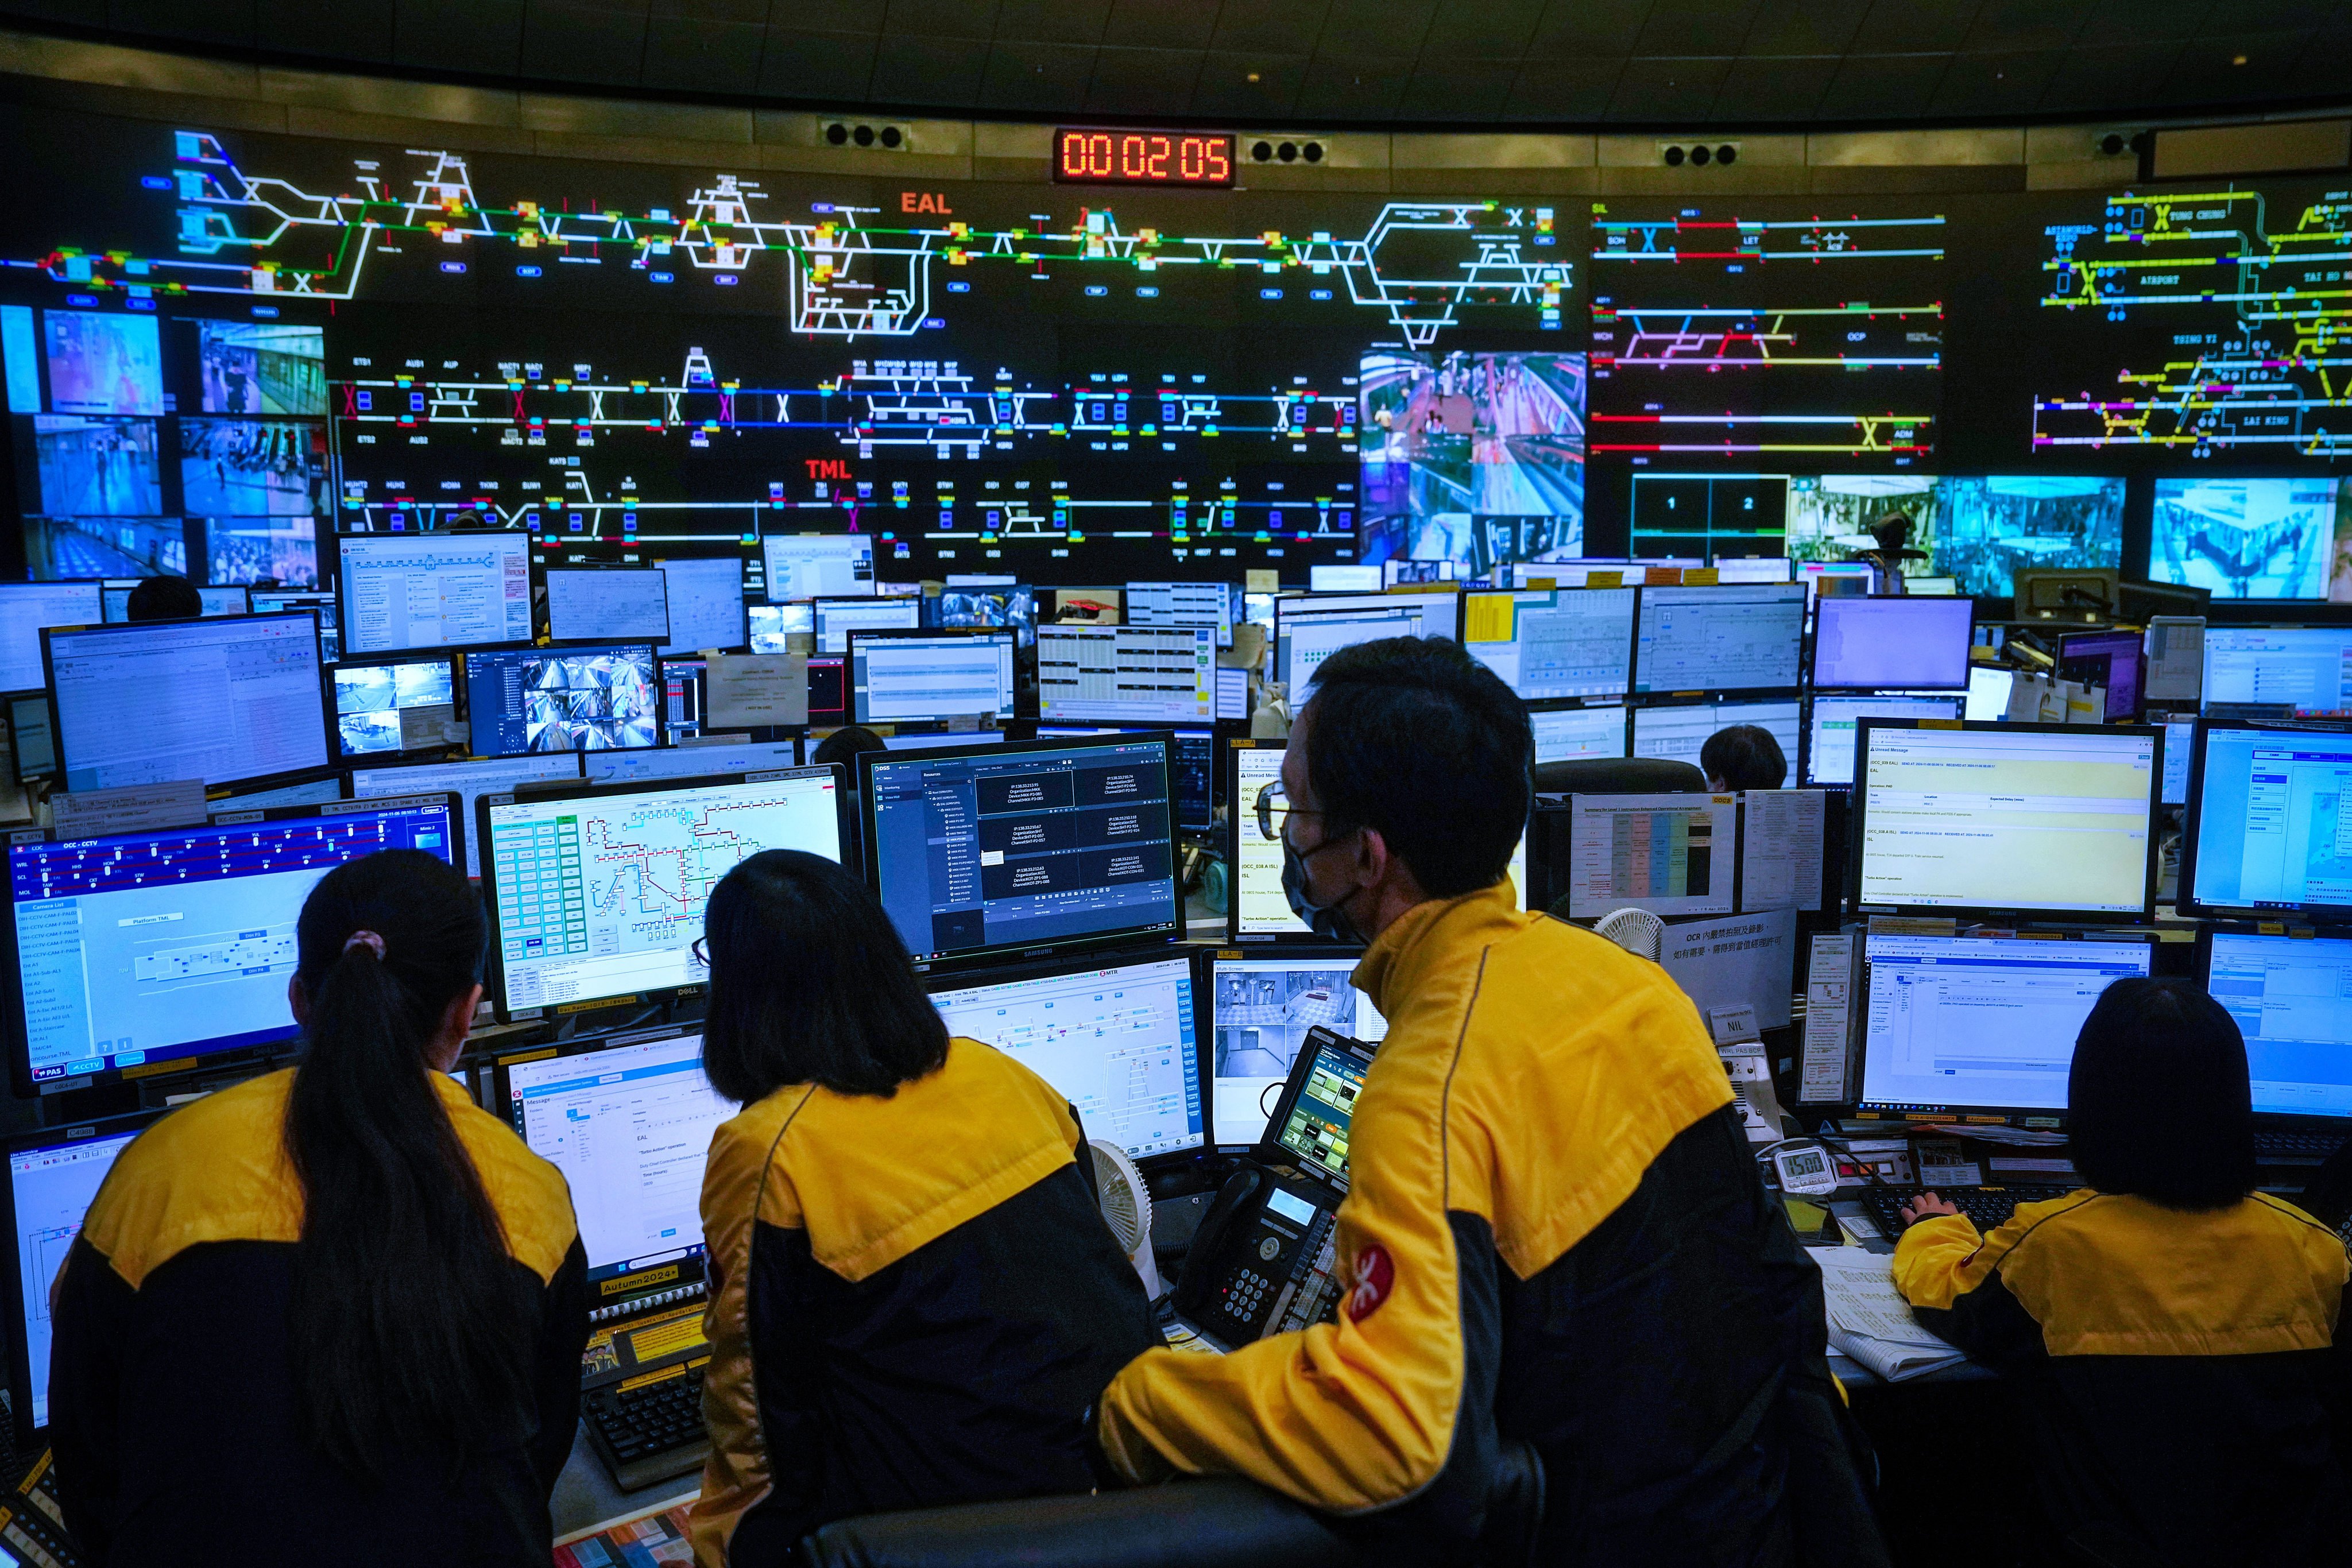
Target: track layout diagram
(649, 869)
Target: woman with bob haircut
(2172, 1330)
(913, 1298)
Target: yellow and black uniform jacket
(1556, 1234)
(171, 1396)
(2177, 1368)
(914, 1302)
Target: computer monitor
(1011, 607)
(383, 707)
(2292, 995)
(933, 739)
(135, 949)
(1129, 674)
(579, 698)
(1261, 1006)
(1829, 732)
(1557, 643)
(2180, 747)
(469, 781)
(1931, 587)
(1812, 573)
(223, 598)
(1192, 764)
(921, 677)
(1566, 735)
(688, 761)
(1680, 731)
(1988, 692)
(706, 605)
(607, 604)
(1670, 854)
(834, 619)
(318, 787)
(1116, 1039)
(2265, 805)
(772, 625)
(1021, 848)
(596, 891)
(1729, 638)
(1892, 643)
(684, 682)
(1307, 631)
(31, 743)
(1753, 569)
(828, 688)
(1982, 1024)
(25, 608)
(434, 590)
(1232, 694)
(2052, 820)
(222, 701)
(2110, 660)
(628, 1120)
(817, 566)
(2305, 668)
(1345, 580)
(1259, 911)
(270, 600)
(1182, 605)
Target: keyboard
(2297, 1145)
(1988, 1206)
(650, 1432)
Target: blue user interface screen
(2293, 1000)
(2274, 821)
(1028, 849)
(145, 947)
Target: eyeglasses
(701, 954)
(1274, 809)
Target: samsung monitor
(1985, 1025)
(2050, 821)
(1680, 731)
(2292, 995)
(596, 891)
(1183, 604)
(1019, 850)
(705, 598)
(222, 701)
(135, 949)
(25, 608)
(923, 677)
(1830, 728)
(434, 590)
(1117, 1038)
(270, 600)
(2267, 827)
(532, 700)
(833, 619)
(2109, 660)
(2305, 668)
(31, 743)
(1307, 630)
(1731, 637)
(817, 566)
(1261, 1006)
(607, 604)
(1560, 642)
(469, 781)
(383, 707)
(1892, 643)
(1127, 674)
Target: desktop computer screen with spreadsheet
(1829, 734)
(1260, 1008)
(2292, 997)
(921, 677)
(1309, 629)
(1182, 605)
(1564, 735)
(1117, 1039)
(222, 701)
(52, 1178)
(1670, 854)
(1957, 1023)
(607, 604)
(2270, 825)
(1127, 674)
(2304, 668)
(1731, 637)
(817, 566)
(1565, 642)
(1680, 731)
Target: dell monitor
(1892, 643)
(923, 677)
(2266, 830)
(1559, 643)
(2292, 997)
(1162, 604)
(469, 781)
(434, 590)
(1731, 637)
(707, 612)
(386, 706)
(532, 700)
(2108, 660)
(607, 604)
(817, 566)
(25, 608)
(834, 619)
(1829, 729)
(1307, 631)
(2307, 669)
(1127, 674)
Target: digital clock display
(1144, 157)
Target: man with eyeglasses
(1555, 1235)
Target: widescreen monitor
(2051, 821)
(434, 590)
(1892, 643)
(2109, 660)
(540, 700)
(1830, 728)
(1568, 735)
(706, 605)
(383, 707)
(222, 701)
(1984, 1024)
(922, 677)
(138, 948)
(25, 608)
(1307, 629)
(1260, 1007)
(469, 781)
(817, 566)
(1017, 850)
(2267, 809)
(270, 600)
(1561, 642)
(596, 892)
(1192, 763)
(1127, 674)
(1728, 638)
(1117, 1039)
(833, 619)
(2307, 669)
(607, 604)
(1753, 569)
(1344, 580)
(1182, 605)
(1680, 731)
(2292, 997)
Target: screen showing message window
(2274, 821)
(2292, 997)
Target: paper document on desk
(1871, 1321)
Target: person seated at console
(1743, 756)
(164, 598)
(913, 1298)
(2173, 1330)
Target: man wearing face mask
(1554, 1231)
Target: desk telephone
(1264, 1260)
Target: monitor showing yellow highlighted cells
(1992, 818)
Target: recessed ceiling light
(2242, 60)
(2237, 60)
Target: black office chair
(1619, 776)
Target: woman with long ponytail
(332, 1315)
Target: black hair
(847, 746)
(165, 599)
(407, 1325)
(2158, 1103)
(810, 984)
(1418, 741)
(1745, 756)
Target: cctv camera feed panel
(835, 619)
(1118, 1040)
(1728, 638)
(1969, 1023)
(1570, 735)
(2270, 822)
(599, 892)
(386, 706)
(1010, 606)
(1026, 847)
(813, 566)
(1829, 737)
(1547, 643)
(2244, 538)
(434, 590)
(771, 624)
(138, 948)
(533, 701)
(25, 608)
(1260, 1008)
(2292, 997)
(53, 1178)
(469, 781)
(706, 604)
(607, 604)
(1309, 630)
(1679, 732)
(1127, 674)
(2305, 668)
(222, 701)
(1182, 605)
(2048, 819)
(918, 677)
(1893, 644)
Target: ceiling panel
(1142, 81)
(349, 29)
(923, 70)
(1913, 27)
(1654, 91)
(1038, 79)
(1247, 86)
(460, 36)
(1992, 85)
(2109, 76)
(1339, 88)
(1453, 92)
(2008, 26)
(1763, 90)
(1555, 91)
(1482, 30)
(819, 66)
(940, 19)
(193, 21)
(1053, 21)
(1273, 26)
(1570, 30)
(577, 43)
(1891, 87)
(1161, 23)
(689, 54)
(1699, 27)
(1802, 27)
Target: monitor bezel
(1860, 827)
(1812, 653)
(341, 758)
(2272, 930)
(464, 665)
(344, 619)
(858, 634)
(2186, 904)
(1796, 680)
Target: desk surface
(585, 1496)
